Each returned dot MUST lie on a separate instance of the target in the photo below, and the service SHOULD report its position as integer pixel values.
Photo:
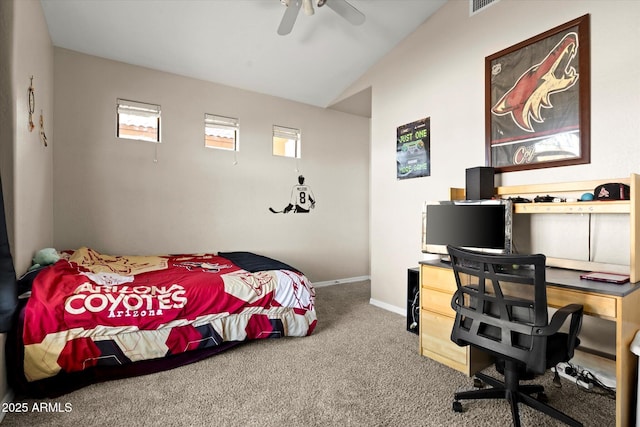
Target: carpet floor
(359, 368)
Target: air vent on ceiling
(477, 6)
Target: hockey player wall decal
(302, 199)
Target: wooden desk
(616, 303)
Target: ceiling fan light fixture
(341, 7)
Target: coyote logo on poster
(535, 102)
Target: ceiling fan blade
(289, 17)
(348, 12)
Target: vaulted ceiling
(235, 43)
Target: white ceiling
(234, 42)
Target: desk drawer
(438, 278)
(436, 337)
(595, 305)
(436, 301)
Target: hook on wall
(43, 136)
(32, 105)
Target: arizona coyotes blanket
(90, 309)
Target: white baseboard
(383, 305)
(341, 281)
(388, 307)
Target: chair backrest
(487, 318)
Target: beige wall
(33, 162)
(111, 194)
(26, 165)
(438, 72)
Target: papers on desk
(606, 277)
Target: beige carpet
(359, 368)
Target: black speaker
(479, 183)
(413, 300)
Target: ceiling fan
(341, 7)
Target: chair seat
(557, 351)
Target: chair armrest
(558, 319)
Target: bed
(92, 317)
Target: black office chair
(515, 328)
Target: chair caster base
(457, 406)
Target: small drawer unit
(437, 286)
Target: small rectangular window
(286, 142)
(221, 132)
(138, 120)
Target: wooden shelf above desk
(574, 190)
(613, 206)
(558, 187)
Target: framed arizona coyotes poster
(537, 100)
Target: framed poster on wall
(537, 100)
(413, 149)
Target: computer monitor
(481, 225)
